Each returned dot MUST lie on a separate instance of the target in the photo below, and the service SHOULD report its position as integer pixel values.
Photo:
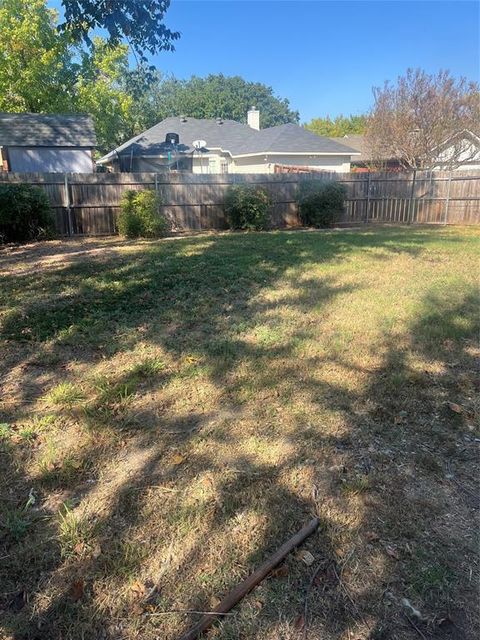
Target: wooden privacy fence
(87, 204)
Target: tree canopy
(412, 119)
(37, 72)
(339, 126)
(149, 33)
(227, 97)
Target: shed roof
(46, 130)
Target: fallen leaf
(177, 458)
(299, 623)
(453, 406)
(306, 557)
(79, 548)
(280, 572)
(76, 590)
(96, 551)
(372, 536)
(214, 602)
(445, 622)
(392, 552)
(138, 588)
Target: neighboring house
(228, 147)
(53, 143)
(365, 158)
(463, 147)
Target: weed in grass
(124, 558)
(5, 430)
(15, 523)
(65, 394)
(39, 423)
(430, 578)
(73, 531)
(147, 369)
(48, 456)
(110, 391)
(356, 485)
(28, 434)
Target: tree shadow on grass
(219, 515)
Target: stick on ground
(249, 583)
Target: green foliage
(25, 213)
(100, 91)
(37, 72)
(140, 215)
(320, 203)
(339, 126)
(149, 34)
(247, 207)
(227, 97)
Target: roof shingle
(231, 136)
(46, 130)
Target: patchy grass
(64, 394)
(172, 411)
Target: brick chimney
(253, 118)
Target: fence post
(412, 198)
(368, 199)
(68, 206)
(156, 184)
(447, 201)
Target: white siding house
(229, 147)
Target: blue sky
(323, 56)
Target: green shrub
(140, 215)
(247, 207)
(25, 213)
(321, 203)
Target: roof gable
(46, 130)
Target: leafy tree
(43, 71)
(149, 32)
(222, 96)
(100, 91)
(145, 86)
(339, 126)
(36, 68)
(412, 119)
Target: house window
(223, 165)
(212, 165)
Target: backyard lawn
(172, 411)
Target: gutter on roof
(106, 158)
(299, 153)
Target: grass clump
(65, 394)
(73, 531)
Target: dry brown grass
(173, 411)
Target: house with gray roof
(46, 143)
(225, 146)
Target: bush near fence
(88, 204)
